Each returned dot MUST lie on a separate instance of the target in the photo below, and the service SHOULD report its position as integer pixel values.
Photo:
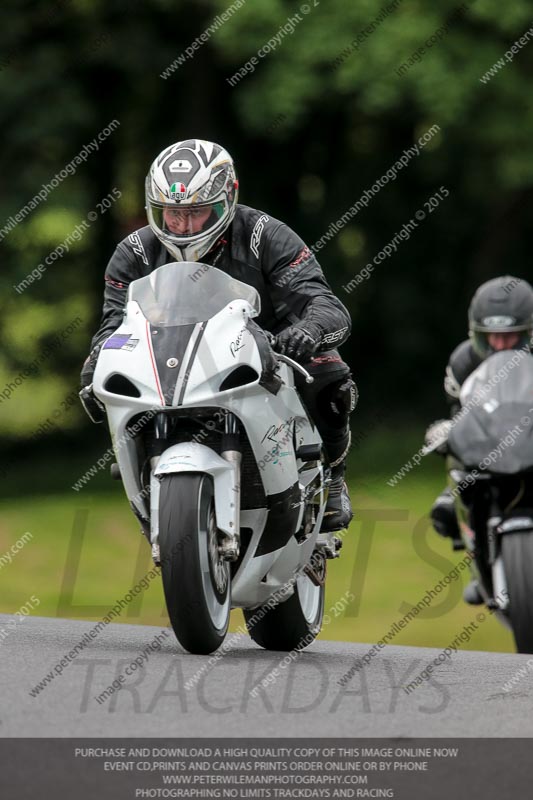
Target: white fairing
(196, 457)
(275, 423)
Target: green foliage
(296, 79)
(320, 118)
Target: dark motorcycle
(490, 471)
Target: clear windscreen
(505, 377)
(186, 292)
(493, 431)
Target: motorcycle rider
(500, 317)
(193, 215)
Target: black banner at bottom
(405, 769)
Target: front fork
(161, 435)
(229, 545)
(500, 599)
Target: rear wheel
(296, 622)
(196, 581)
(517, 555)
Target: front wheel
(517, 555)
(196, 581)
(294, 623)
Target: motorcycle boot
(472, 595)
(444, 519)
(338, 513)
(330, 400)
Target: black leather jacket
(256, 249)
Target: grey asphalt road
(464, 697)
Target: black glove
(436, 438)
(299, 341)
(94, 409)
(89, 365)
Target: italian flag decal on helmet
(178, 191)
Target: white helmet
(191, 195)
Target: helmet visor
(186, 221)
(488, 342)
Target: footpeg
(328, 544)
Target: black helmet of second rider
(500, 316)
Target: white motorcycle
(222, 465)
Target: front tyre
(196, 581)
(517, 555)
(294, 623)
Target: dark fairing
(496, 421)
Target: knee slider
(345, 397)
(335, 402)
